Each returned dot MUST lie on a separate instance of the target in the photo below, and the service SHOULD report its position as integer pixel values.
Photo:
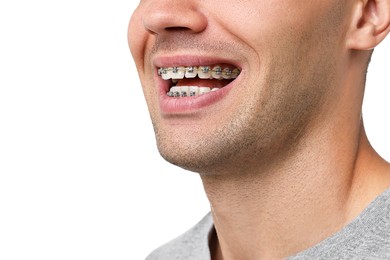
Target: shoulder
(192, 245)
(367, 237)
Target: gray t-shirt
(367, 237)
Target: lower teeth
(189, 91)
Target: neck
(287, 206)
(278, 212)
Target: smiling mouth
(190, 81)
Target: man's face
(286, 60)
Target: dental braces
(203, 69)
(180, 94)
(189, 91)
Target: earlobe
(369, 25)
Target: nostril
(177, 28)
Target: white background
(80, 176)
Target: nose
(163, 16)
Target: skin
(283, 157)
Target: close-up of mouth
(192, 81)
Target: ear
(369, 25)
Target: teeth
(163, 72)
(189, 91)
(203, 72)
(203, 90)
(175, 92)
(166, 76)
(227, 73)
(172, 73)
(191, 72)
(217, 72)
(178, 72)
(194, 91)
(184, 91)
(235, 73)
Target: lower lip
(182, 105)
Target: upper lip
(191, 60)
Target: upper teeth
(203, 72)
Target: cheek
(249, 22)
(137, 38)
(139, 41)
(262, 23)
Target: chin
(194, 162)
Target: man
(263, 99)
